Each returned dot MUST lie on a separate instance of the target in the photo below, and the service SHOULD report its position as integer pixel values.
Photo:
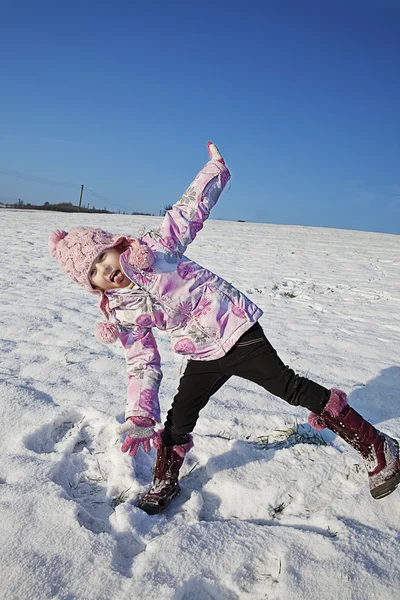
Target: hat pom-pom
(107, 332)
(141, 256)
(54, 238)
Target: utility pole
(80, 198)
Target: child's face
(106, 273)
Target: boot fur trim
(336, 403)
(180, 450)
(334, 407)
(316, 421)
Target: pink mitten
(140, 430)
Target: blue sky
(301, 96)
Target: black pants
(252, 358)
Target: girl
(149, 282)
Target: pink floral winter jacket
(204, 314)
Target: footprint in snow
(88, 451)
(44, 440)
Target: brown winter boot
(165, 484)
(379, 451)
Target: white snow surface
(262, 514)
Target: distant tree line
(66, 207)
(163, 212)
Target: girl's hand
(214, 153)
(140, 431)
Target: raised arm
(186, 218)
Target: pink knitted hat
(76, 252)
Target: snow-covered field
(262, 514)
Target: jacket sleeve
(181, 224)
(144, 372)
